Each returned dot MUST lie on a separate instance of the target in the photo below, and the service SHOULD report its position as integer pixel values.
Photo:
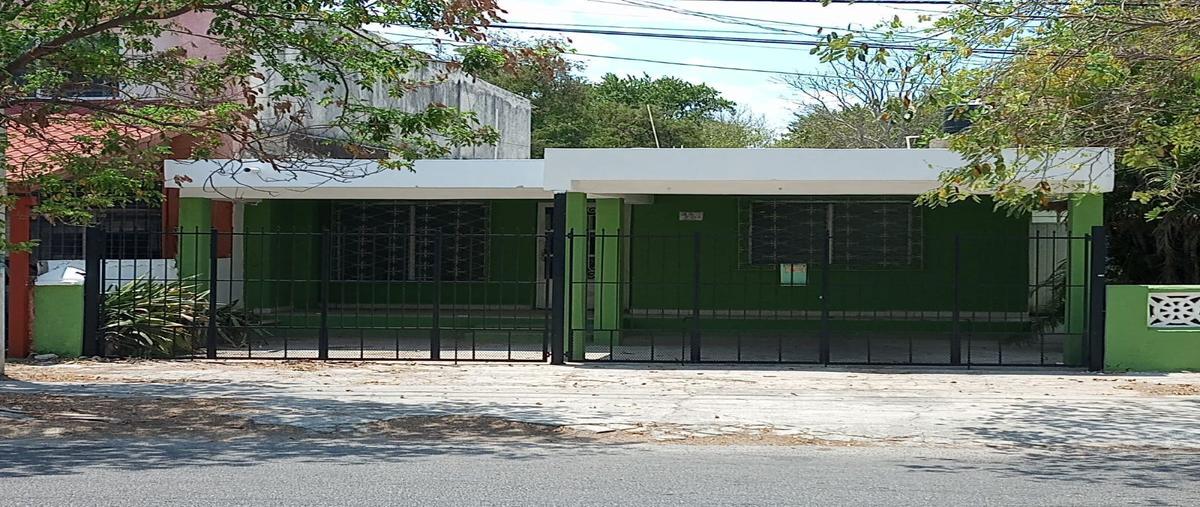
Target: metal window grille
(395, 240)
(134, 232)
(862, 232)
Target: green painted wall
(58, 322)
(283, 269)
(994, 262)
(195, 224)
(1131, 345)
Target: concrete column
(577, 290)
(1083, 212)
(195, 222)
(608, 293)
(21, 305)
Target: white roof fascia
(787, 171)
(357, 179)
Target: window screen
(866, 233)
(876, 234)
(787, 232)
(133, 232)
(396, 240)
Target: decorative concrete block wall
(1152, 328)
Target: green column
(1083, 212)
(577, 257)
(609, 218)
(195, 223)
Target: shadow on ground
(313, 430)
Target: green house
(740, 255)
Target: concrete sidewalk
(893, 406)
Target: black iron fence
(957, 299)
(942, 299)
(322, 295)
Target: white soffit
(784, 171)
(357, 179)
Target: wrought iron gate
(702, 298)
(427, 294)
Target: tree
(858, 104)
(314, 53)
(1050, 76)
(616, 111)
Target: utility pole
(652, 128)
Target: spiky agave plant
(150, 318)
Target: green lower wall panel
(994, 264)
(58, 323)
(283, 268)
(1131, 345)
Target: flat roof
(629, 171)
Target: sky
(761, 93)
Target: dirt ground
(85, 417)
(668, 404)
(126, 371)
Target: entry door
(545, 224)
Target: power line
(766, 24)
(688, 37)
(741, 69)
(680, 64)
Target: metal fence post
(324, 293)
(93, 291)
(695, 342)
(210, 345)
(435, 334)
(1097, 298)
(557, 279)
(825, 331)
(956, 338)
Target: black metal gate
(964, 299)
(456, 293)
(421, 295)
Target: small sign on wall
(691, 216)
(793, 274)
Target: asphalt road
(330, 472)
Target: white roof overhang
(627, 172)
(357, 179)
(782, 171)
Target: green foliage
(1052, 76)
(616, 112)
(196, 68)
(146, 318)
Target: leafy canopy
(616, 111)
(243, 74)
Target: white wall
(119, 272)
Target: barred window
(396, 240)
(860, 232)
(133, 232)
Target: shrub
(152, 318)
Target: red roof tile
(32, 153)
